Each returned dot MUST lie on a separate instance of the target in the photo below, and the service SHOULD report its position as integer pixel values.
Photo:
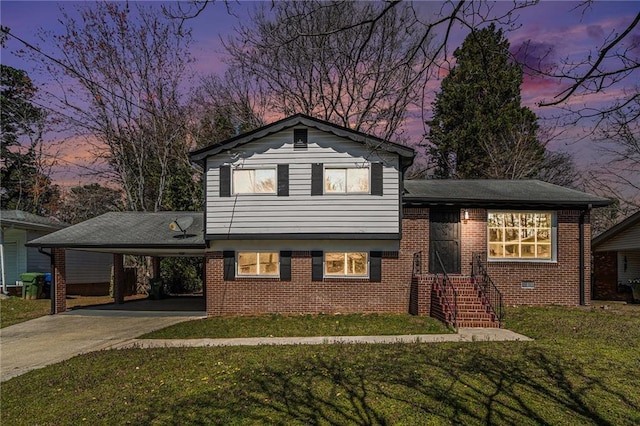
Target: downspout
(581, 251)
(52, 290)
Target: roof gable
(405, 154)
(612, 233)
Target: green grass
(15, 310)
(583, 368)
(301, 325)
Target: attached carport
(122, 233)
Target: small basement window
(527, 284)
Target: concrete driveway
(54, 338)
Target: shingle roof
(488, 192)
(25, 220)
(406, 154)
(128, 230)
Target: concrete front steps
(473, 309)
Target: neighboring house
(87, 273)
(306, 216)
(616, 260)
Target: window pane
(511, 250)
(511, 235)
(357, 263)
(335, 180)
(544, 251)
(265, 181)
(544, 236)
(358, 180)
(496, 250)
(528, 250)
(247, 263)
(334, 263)
(269, 263)
(243, 181)
(528, 235)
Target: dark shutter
(285, 266)
(300, 139)
(317, 179)
(229, 265)
(225, 181)
(283, 180)
(375, 266)
(316, 266)
(376, 178)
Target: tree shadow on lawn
(420, 385)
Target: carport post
(118, 278)
(59, 292)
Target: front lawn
(15, 309)
(583, 368)
(301, 325)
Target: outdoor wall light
(466, 215)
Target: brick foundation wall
(59, 277)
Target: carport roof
(130, 233)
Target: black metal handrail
(490, 292)
(447, 286)
(417, 263)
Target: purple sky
(555, 27)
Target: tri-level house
(305, 216)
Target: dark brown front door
(444, 238)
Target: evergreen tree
(24, 185)
(479, 129)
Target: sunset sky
(556, 27)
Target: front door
(444, 238)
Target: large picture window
(350, 264)
(346, 180)
(254, 181)
(258, 263)
(520, 235)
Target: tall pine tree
(479, 129)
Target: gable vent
(300, 140)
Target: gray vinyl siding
(84, 267)
(628, 239)
(301, 212)
(36, 261)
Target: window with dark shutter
(316, 266)
(229, 265)
(376, 178)
(285, 266)
(283, 180)
(225, 181)
(317, 179)
(375, 266)
(300, 141)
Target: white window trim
(345, 276)
(233, 185)
(257, 275)
(554, 239)
(344, 167)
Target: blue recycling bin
(46, 289)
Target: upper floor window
(252, 263)
(346, 180)
(254, 181)
(350, 264)
(520, 236)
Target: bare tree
(315, 58)
(223, 107)
(128, 72)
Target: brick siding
(605, 278)
(59, 274)
(555, 283)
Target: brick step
(478, 324)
